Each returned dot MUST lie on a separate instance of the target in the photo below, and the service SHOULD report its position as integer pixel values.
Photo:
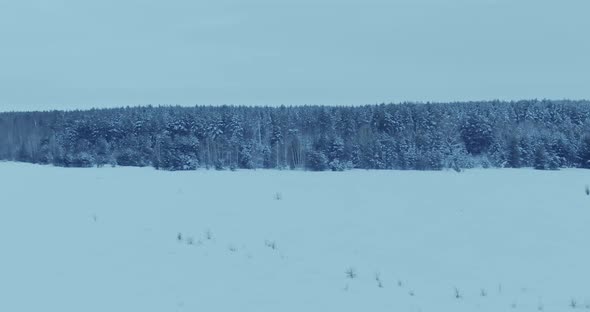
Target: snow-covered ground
(107, 240)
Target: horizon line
(134, 106)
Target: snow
(106, 240)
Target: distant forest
(432, 136)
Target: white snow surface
(105, 239)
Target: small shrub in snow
(278, 196)
(399, 283)
(483, 292)
(411, 293)
(573, 303)
(457, 293)
(270, 244)
(351, 273)
(378, 279)
(587, 190)
(208, 235)
(232, 248)
(190, 241)
(179, 237)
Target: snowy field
(108, 240)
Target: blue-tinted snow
(106, 240)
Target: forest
(541, 134)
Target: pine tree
(541, 161)
(584, 154)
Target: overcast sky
(79, 54)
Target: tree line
(429, 136)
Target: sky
(77, 54)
